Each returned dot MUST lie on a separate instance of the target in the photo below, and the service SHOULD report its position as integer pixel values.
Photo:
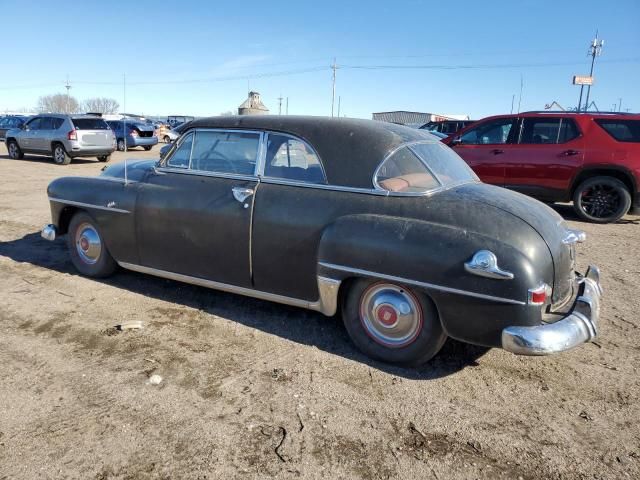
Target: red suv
(592, 159)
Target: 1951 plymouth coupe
(381, 221)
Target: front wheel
(89, 254)
(121, 145)
(167, 139)
(14, 150)
(392, 323)
(104, 158)
(602, 200)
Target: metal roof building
(404, 117)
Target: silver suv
(63, 137)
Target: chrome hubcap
(88, 243)
(390, 315)
(13, 151)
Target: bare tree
(58, 103)
(226, 114)
(101, 105)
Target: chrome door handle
(241, 193)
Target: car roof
(350, 149)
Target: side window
(57, 123)
(225, 152)
(492, 132)
(182, 154)
(404, 172)
(548, 130)
(34, 124)
(621, 130)
(46, 123)
(292, 159)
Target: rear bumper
(579, 326)
(141, 141)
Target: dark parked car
(379, 221)
(9, 122)
(592, 159)
(139, 134)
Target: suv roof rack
(573, 112)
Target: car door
(486, 147)
(26, 139)
(547, 153)
(193, 214)
(43, 136)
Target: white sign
(582, 80)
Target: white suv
(63, 137)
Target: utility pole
(620, 104)
(68, 87)
(124, 110)
(513, 99)
(287, 107)
(595, 50)
(333, 91)
(339, 98)
(280, 105)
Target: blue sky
(194, 57)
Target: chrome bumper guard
(49, 232)
(579, 326)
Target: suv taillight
(133, 133)
(72, 135)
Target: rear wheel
(167, 139)
(104, 158)
(86, 245)
(147, 147)
(121, 145)
(14, 150)
(60, 155)
(601, 199)
(392, 323)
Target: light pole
(595, 50)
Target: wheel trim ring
(88, 243)
(390, 332)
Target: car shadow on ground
(294, 324)
(567, 212)
(46, 159)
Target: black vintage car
(380, 221)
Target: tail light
(539, 295)
(72, 135)
(133, 133)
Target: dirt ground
(252, 389)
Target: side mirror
(456, 141)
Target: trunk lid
(546, 221)
(93, 132)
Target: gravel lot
(252, 389)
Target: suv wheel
(60, 155)
(104, 158)
(601, 200)
(14, 150)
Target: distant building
(414, 119)
(253, 106)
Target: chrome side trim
(326, 304)
(425, 285)
(484, 263)
(320, 186)
(200, 173)
(579, 326)
(87, 205)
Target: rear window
(621, 130)
(90, 124)
(446, 164)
